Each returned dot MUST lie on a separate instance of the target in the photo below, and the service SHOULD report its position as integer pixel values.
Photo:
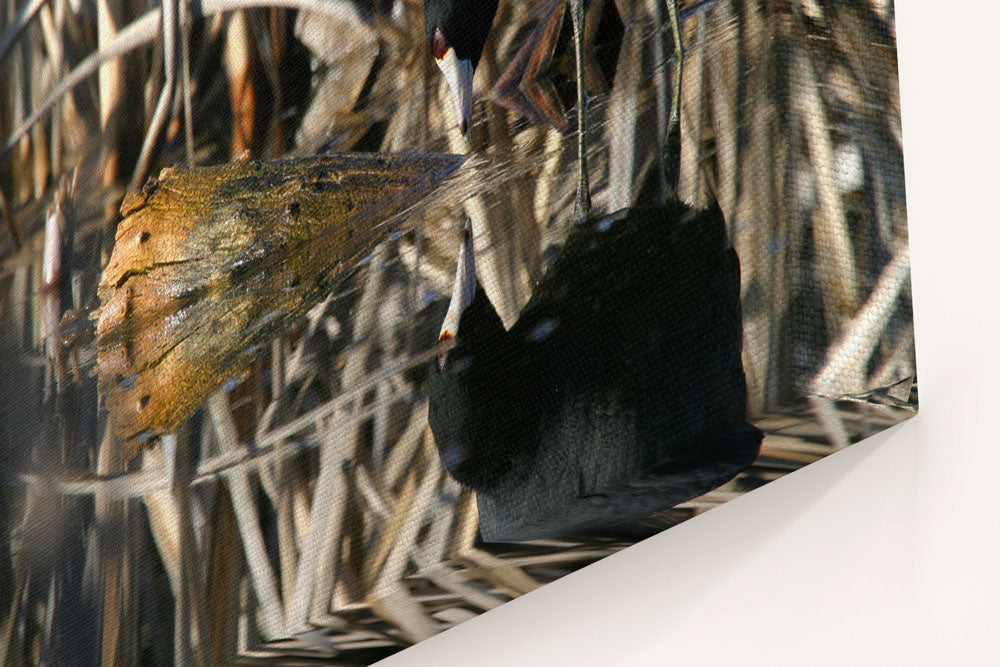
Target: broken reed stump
(212, 263)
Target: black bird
(618, 392)
(456, 33)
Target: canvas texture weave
(327, 326)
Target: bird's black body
(465, 24)
(618, 392)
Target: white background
(885, 554)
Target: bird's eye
(440, 45)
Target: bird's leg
(578, 14)
(673, 139)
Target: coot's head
(474, 407)
(456, 33)
(462, 298)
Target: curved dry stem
(140, 32)
(20, 22)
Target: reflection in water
(309, 513)
(618, 392)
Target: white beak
(458, 74)
(462, 294)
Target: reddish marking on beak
(440, 45)
(443, 351)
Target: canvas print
(327, 325)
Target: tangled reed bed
(308, 518)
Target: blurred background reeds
(308, 519)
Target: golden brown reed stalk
(111, 77)
(210, 263)
(238, 60)
(58, 234)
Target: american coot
(456, 33)
(618, 392)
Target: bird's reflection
(618, 392)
